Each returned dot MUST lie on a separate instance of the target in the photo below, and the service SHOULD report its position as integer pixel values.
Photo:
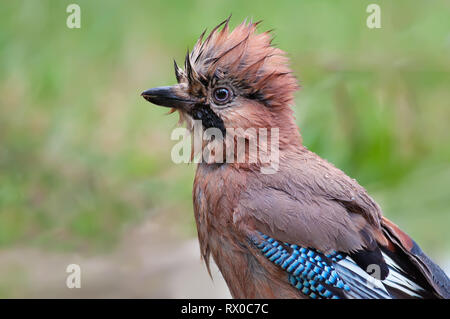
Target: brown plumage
(237, 79)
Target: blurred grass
(82, 156)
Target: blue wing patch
(309, 270)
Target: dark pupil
(221, 94)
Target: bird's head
(233, 79)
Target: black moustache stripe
(208, 117)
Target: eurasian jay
(303, 230)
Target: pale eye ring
(221, 95)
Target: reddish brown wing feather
(406, 241)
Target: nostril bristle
(172, 110)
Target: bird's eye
(221, 95)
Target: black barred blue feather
(309, 270)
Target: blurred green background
(83, 158)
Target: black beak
(165, 96)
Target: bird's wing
(335, 275)
(322, 228)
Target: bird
(302, 229)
